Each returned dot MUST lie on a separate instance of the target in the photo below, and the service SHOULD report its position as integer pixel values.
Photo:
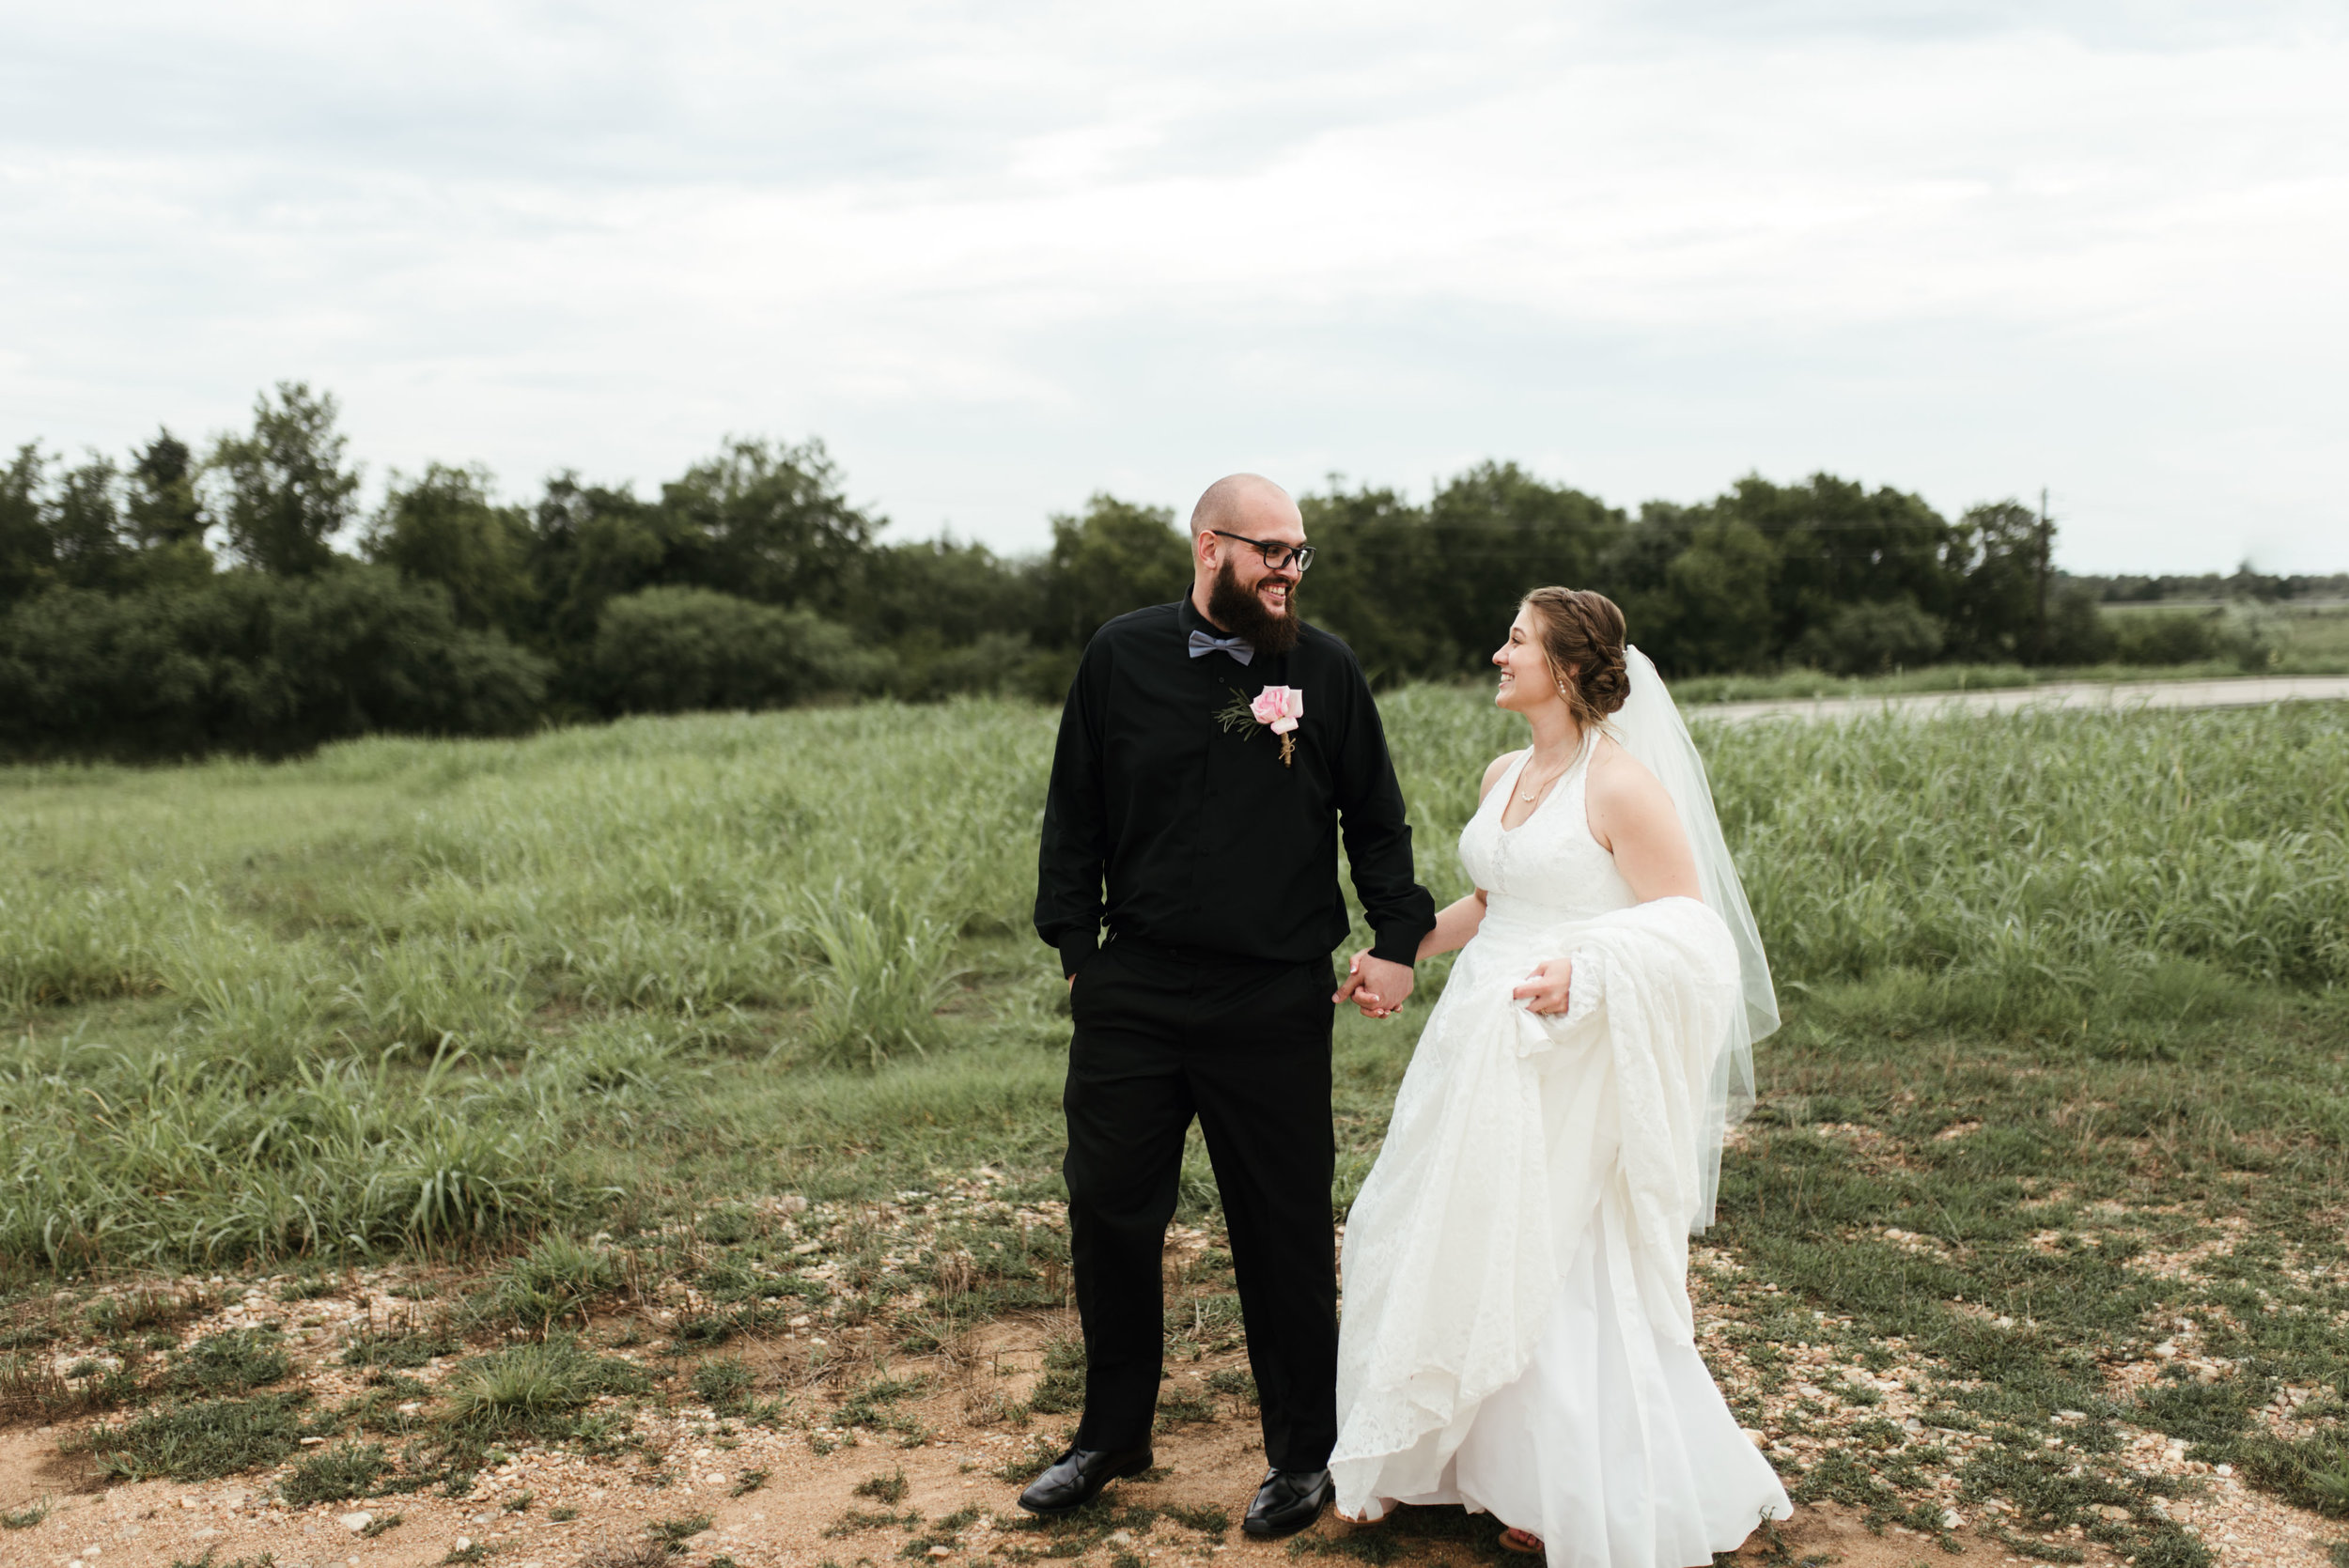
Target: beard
(1241, 613)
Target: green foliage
(26, 1517)
(1483, 540)
(556, 1280)
(724, 1384)
(333, 1474)
(1062, 1389)
(1113, 557)
(533, 1389)
(400, 1347)
(1206, 1518)
(254, 663)
(443, 528)
(674, 1533)
(750, 582)
(136, 1310)
(1872, 637)
(288, 494)
(885, 973)
(230, 1363)
(673, 650)
(772, 525)
(202, 1441)
(2165, 638)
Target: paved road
(2246, 691)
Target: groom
(1207, 842)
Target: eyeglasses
(1277, 555)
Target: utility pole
(2039, 637)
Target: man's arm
(1377, 837)
(1075, 846)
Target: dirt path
(759, 1496)
(954, 1507)
(2247, 692)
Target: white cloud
(1001, 255)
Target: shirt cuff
(1399, 944)
(1076, 953)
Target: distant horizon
(375, 479)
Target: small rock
(464, 1543)
(2223, 1469)
(1756, 1439)
(357, 1522)
(1912, 1424)
(2166, 1351)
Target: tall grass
(2022, 863)
(408, 993)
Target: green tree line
(239, 596)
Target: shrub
(2165, 638)
(673, 650)
(1871, 638)
(253, 663)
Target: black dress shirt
(1203, 838)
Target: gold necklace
(1535, 793)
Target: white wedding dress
(1516, 1334)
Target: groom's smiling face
(1241, 591)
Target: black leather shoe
(1287, 1501)
(1077, 1477)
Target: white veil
(1649, 726)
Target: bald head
(1245, 503)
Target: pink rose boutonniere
(1277, 708)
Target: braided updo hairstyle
(1582, 634)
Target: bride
(1517, 1335)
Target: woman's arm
(1454, 924)
(1633, 817)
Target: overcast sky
(1001, 256)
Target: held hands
(1549, 988)
(1375, 985)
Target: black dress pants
(1162, 1034)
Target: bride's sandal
(1523, 1542)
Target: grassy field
(2050, 1170)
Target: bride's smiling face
(1526, 682)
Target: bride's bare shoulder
(1621, 781)
(1492, 774)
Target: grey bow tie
(1239, 648)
